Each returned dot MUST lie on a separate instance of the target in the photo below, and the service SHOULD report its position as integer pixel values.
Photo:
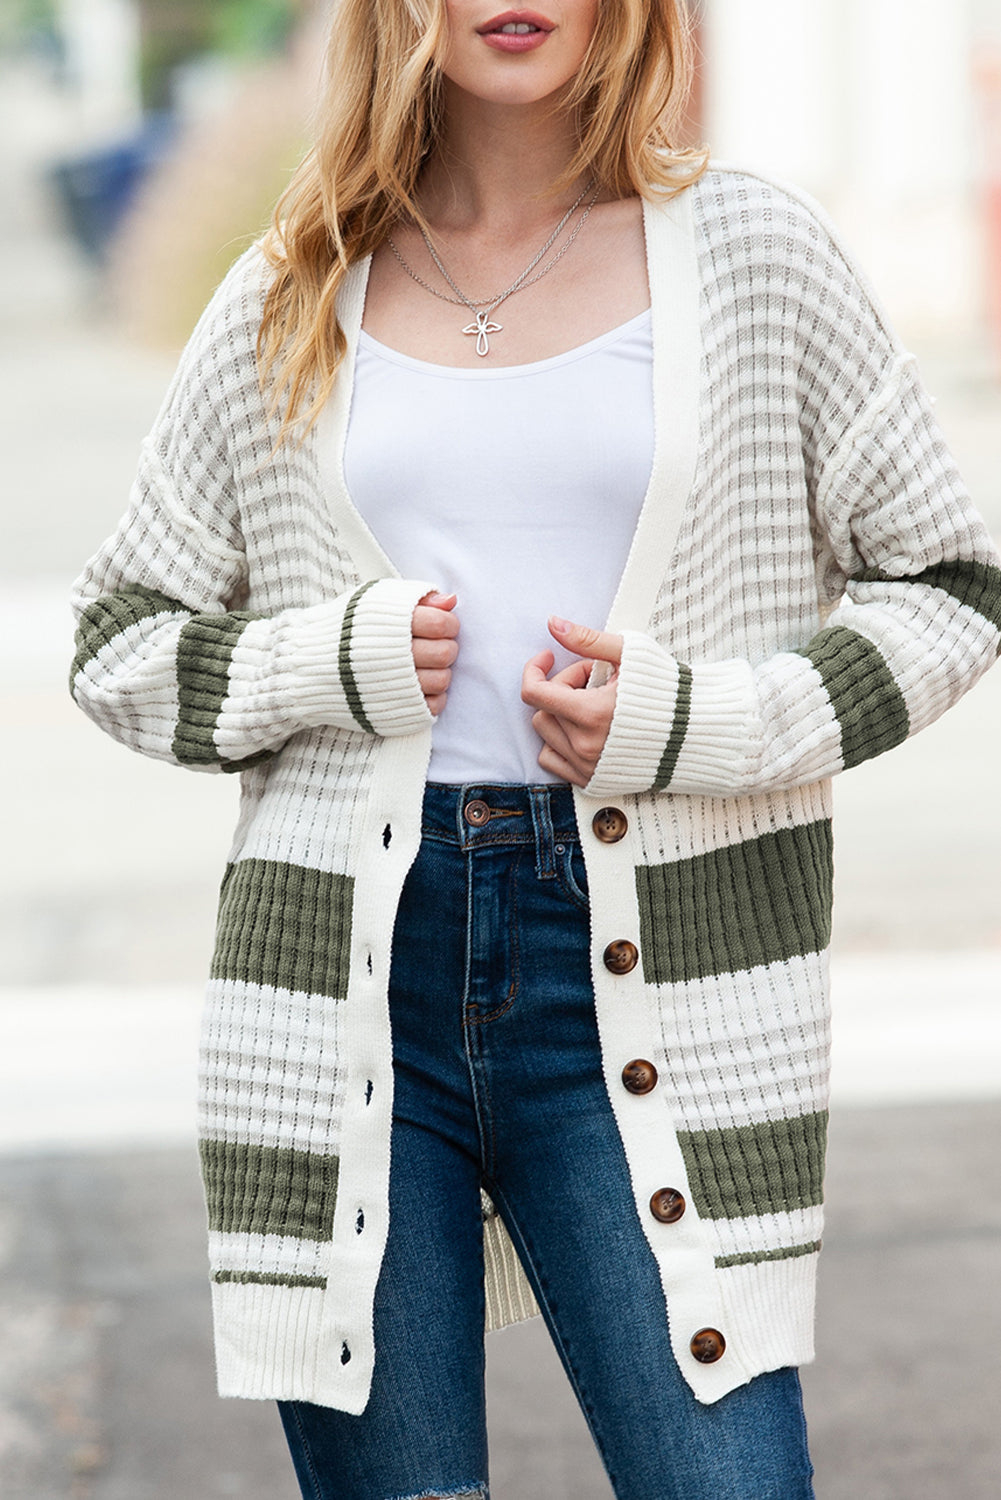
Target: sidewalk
(106, 1382)
(98, 1068)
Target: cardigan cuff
(646, 699)
(720, 751)
(352, 660)
(677, 728)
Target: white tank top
(519, 489)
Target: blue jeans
(498, 1081)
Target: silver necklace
(482, 307)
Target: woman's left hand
(572, 719)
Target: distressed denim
(498, 1081)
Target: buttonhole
(387, 834)
(360, 1221)
(368, 1091)
(345, 1354)
(368, 961)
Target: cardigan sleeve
(216, 689)
(167, 660)
(918, 623)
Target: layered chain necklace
(482, 308)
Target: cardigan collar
(673, 272)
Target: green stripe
(108, 616)
(267, 1278)
(349, 682)
(745, 1170)
(675, 740)
(863, 691)
(975, 584)
(757, 1257)
(758, 902)
(204, 653)
(286, 926)
(268, 1190)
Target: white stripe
(269, 1067)
(290, 823)
(273, 1254)
(740, 1049)
(801, 1226)
(672, 828)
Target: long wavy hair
(379, 118)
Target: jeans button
(476, 813)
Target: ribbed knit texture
(808, 585)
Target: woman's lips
(516, 40)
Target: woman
(588, 980)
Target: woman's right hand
(434, 631)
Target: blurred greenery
(253, 27)
(20, 20)
(175, 31)
(172, 33)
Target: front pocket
(571, 873)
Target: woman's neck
(496, 166)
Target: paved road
(106, 1368)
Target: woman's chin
(512, 92)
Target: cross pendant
(481, 328)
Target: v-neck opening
(673, 276)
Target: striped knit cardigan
(807, 585)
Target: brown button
(610, 825)
(708, 1345)
(476, 813)
(621, 957)
(639, 1076)
(667, 1205)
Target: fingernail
(559, 626)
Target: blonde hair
(379, 120)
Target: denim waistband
(480, 814)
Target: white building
(101, 41)
(880, 109)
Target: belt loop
(542, 823)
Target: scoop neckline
(503, 372)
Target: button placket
(667, 1206)
(609, 825)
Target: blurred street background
(142, 143)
